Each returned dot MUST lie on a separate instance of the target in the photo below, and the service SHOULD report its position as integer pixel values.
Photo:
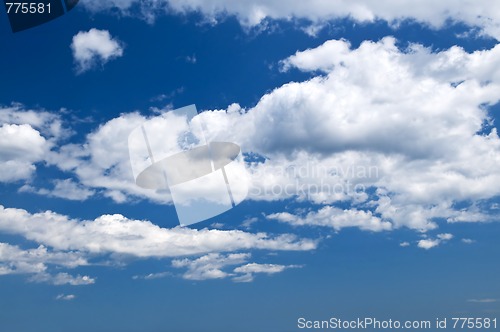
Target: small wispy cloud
(62, 279)
(247, 223)
(152, 276)
(209, 266)
(482, 300)
(191, 59)
(65, 297)
(248, 271)
(67, 189)
(170, 95)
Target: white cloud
(18, 140)
(400, 113)
(468, 241)
(119, 235)
(209, 266)
(483, 300)
(479, 13)
(62, 278)
(73, 242)
(70, 190)
(191, 59)
(260, 268)
(103, 161)
(67, 189)
(431, 243)
(48, 124)
(11, 170)
(94, 47)
(38, 262)
(14, 260)
(428, 244)
(247, 223)
(415, 117)
(26, 138)
(20, 147)
(335, 218)
(249, 270)
(212, 266)
(243, 278)
(404, 244)
(65, 297)
(152, 276)
(445, 236)
(372, 95)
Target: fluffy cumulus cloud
(26, 137)
(428, 243)
(376, 93)
(70, 244)
(94, 47)
(483, 14)
(21, 146)
(378, 138)
(103, 162)
(115, 234)
(402, 135)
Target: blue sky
(400, 104)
